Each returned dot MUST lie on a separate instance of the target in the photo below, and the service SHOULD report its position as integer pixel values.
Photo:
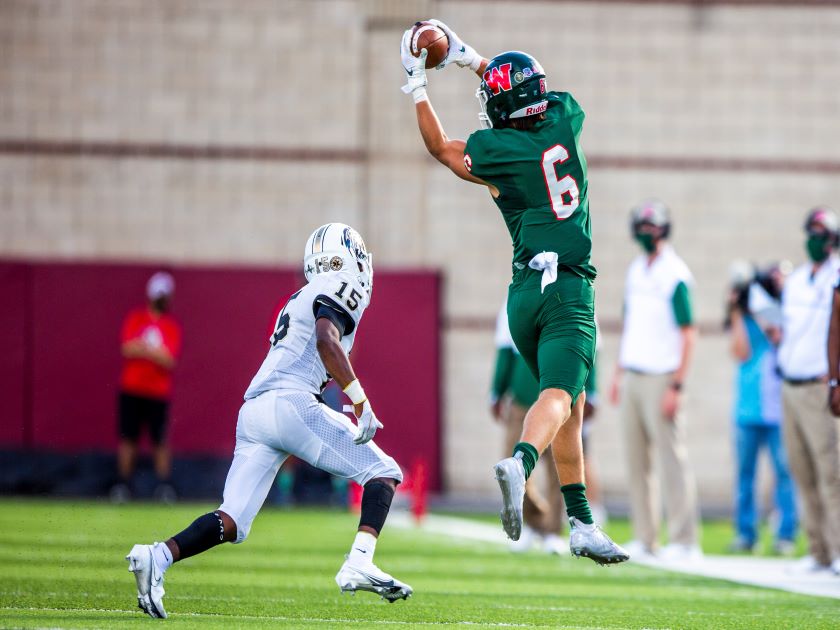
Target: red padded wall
(13, 367)
(398, 363)
(76, 319)
(225, 314)
(77, 310)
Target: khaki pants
(649, 436)
(545, 513)
(810, 434)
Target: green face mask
(817, 246)
(647, 241)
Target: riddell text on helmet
(539, 109)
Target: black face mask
(161, 304)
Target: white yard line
(781, 574)
(449, 526)
(333, 620)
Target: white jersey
(293, 361)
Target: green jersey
(541, 178)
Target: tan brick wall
(724, 82)
(195, 71)
(168, 209)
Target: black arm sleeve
(324, 306)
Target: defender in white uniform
(283, 415)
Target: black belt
(796, 382)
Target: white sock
(363, 547)
(585, 526)
(162, 556)
(599, 513)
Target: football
(427, 35)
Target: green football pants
(554, 330)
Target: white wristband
(419, 95)
(355, 392)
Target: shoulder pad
(345, 291)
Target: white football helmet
(338, 247)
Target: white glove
(367, 423)
(460, 53)
(415, 69)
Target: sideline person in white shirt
(657, 344)
(810, 431)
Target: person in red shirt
(150, 345)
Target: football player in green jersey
(529, 158)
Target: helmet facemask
(366, 273)
(355, 245)
(483, 117)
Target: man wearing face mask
(150, 345)
(657, 344)
(810, 431)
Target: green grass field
(63, 567)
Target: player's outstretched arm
(448, 152)
(337, 364)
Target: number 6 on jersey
(559, 188)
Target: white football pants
(280, 423)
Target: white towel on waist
(547, 263)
